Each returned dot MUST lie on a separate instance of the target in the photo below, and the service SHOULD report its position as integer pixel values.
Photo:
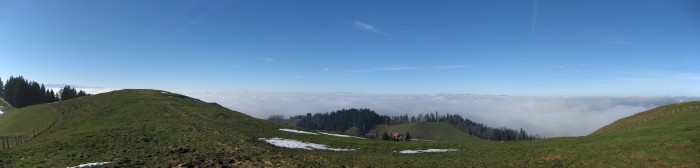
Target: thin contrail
(534, 18)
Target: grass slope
(660, 118)
(439, 131)
(134, 128)
(26, 120)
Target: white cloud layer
(546, 116)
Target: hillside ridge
(651, 118)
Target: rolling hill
(136, 128)
(438, 131)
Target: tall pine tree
(2, 88)
(19, 92)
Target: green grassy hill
(135, 128)
(438, 131)
(658, 119)
(26, 120)
(131, 128)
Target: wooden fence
(12, 141)
(8, 142)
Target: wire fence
(9, 142)
(663, 113)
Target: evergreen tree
(385, 136)
(52, 96)
(408, 136)
(2, 88)
(19, 92)
(68, 92)
(9, 90)
(81, 93)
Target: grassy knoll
(439, 131)
(26, 120)
(133, 128)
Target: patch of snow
(426, 140)
(297, 131)
(97, 164)
(3, 100)
(426, 151)
(340, 135)
(164, 92)
(294, 144)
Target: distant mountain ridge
(62, 85)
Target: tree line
(20, 92)
(364, 120)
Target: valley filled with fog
(546, 116)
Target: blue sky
(561, 48)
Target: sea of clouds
(546, 116)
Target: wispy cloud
(448, 67)
(399, 68)
(568, 66)
(658, 76)
(391, 68)
(395, 68)
(269, 59)
(203, 14)
(615, 42)
(367, 27)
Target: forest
(20, 92)
(365, 119)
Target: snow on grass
(426, 151)
(425, 140)
(3, 100)
(97, 164)
(1, 107)
(313, 133)
(297, 131)
(294, 144)
(340, 135)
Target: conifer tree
(2, 88)
(68, 92)
(9, 90)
